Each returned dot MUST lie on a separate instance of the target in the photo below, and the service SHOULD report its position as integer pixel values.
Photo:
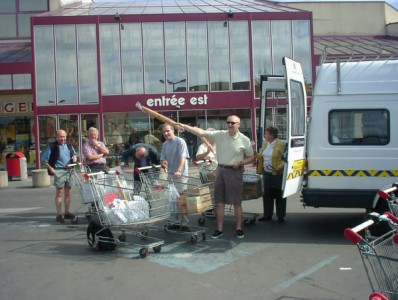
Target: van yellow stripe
(353, 173)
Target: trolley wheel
(246, 222)
(95, 247)
(201, 221)
(253, 220)
(122, 238)
(75, 220)
(204, 236)
(194, 239)
(90, 237)
(157, 249)
(143, 252)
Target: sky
(393, 3)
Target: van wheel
(382, 227)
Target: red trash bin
(14, 164)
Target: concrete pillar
(3, 179)
(40, 178)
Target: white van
(352, 141)
(351, 146)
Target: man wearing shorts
(55, 158)
(234, 150)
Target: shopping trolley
(390, 195)
(379, 256)
(125, 213)
(185, 199)
(252, 189)
(77, 173)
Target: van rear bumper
(338, 198)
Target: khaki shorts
(228, 186)
(63, 178)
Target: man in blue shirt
(56, 157)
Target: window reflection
(44, 67)
(88, 71)
(110, 59)
(66, 64)
(281, 44)
(176, 69)
(152, 34)
(197, 56)
(262, 63)
(302, 50)
(132, 59)
(219, 56)
(240, 62)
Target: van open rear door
(296, 114)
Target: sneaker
(59, 219)
(217, 234)
(69, 216)
(281, 220)
(240, 234)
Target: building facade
(194, 63)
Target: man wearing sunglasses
(234, 150)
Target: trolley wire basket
(120, 208)
(379, 256)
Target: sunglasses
(232, 123)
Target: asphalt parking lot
(307, 257)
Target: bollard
(3, 179)
(40, 178)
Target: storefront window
(132, 59)
(44, 65)
(302, 50)
(16, 135)
(110, 59)
(281, 43)
(198, 67)
(88, 70)
(66, 64)
(153, 46)
(240, 61)
(47, 131)
(219, 56)
(262, 63)
(70, 124)
(5, 82)
(176, 69)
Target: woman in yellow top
(270, 164)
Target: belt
(226, 166)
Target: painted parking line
(13, 210)
(307, 272)
(205, 256)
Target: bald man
(142, 155)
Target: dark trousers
(273, 196)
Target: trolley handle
(202, 161)
(385, 194)
(139, 170)
(352, 233)
(88, 175)
(69, 166)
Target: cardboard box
(195, 200)
(198, 204)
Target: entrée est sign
(174, 101)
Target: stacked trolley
(390, 195)
(185, 199)
(252, 189)
(122, 214)
(379, 256)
